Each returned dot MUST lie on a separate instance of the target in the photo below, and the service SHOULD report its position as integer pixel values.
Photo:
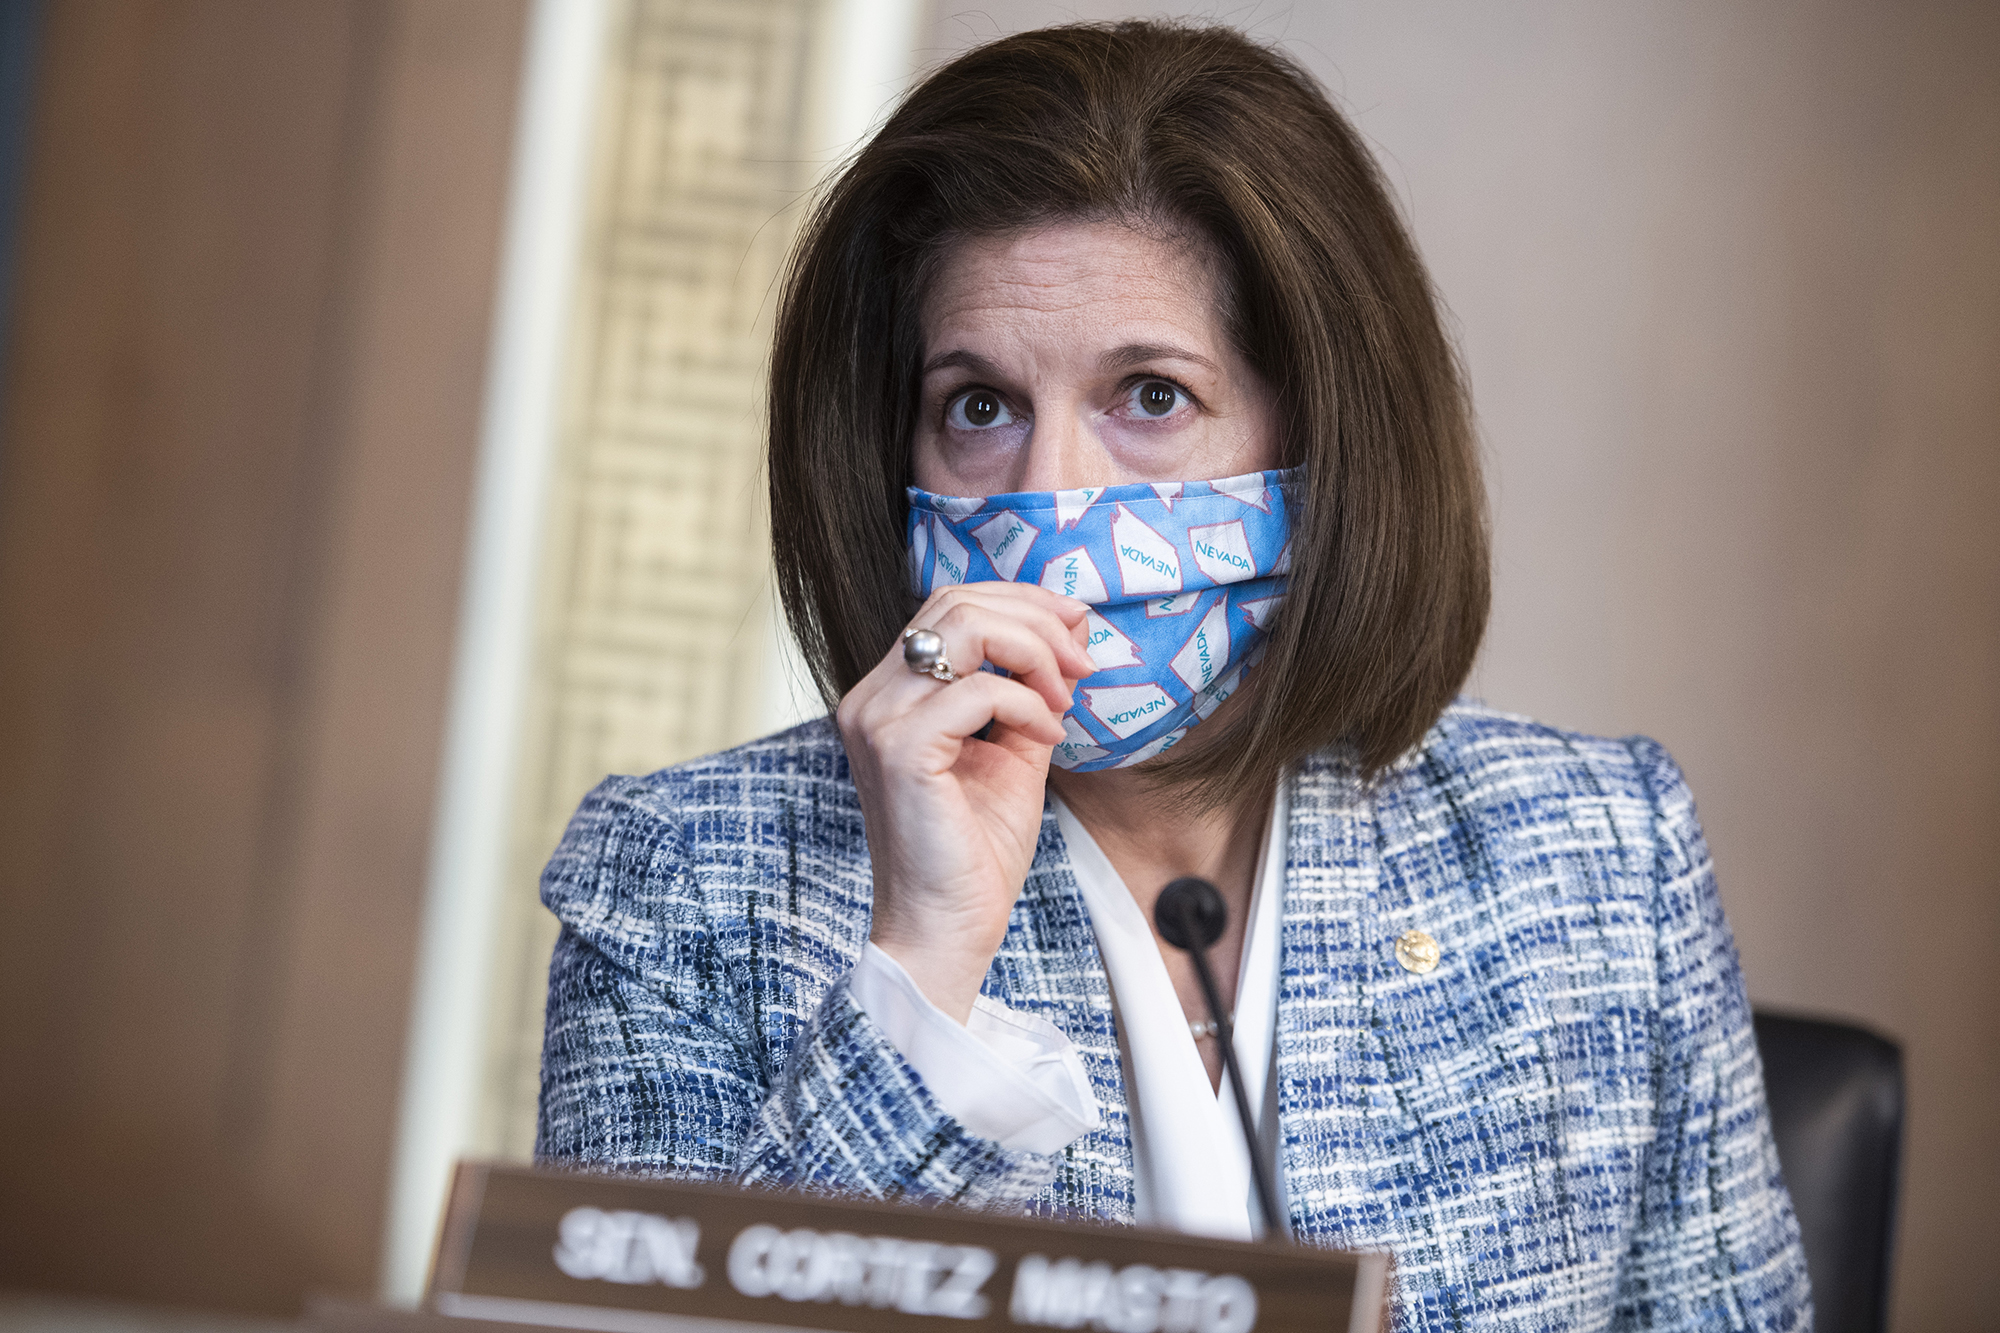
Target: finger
(974, 634)
(1068, 610)
(1019, 744)
(1060, 619)
(980, 630)
(964, 707)
(1067, 639)
(1024, 591)
(971, 634)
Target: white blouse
(1191, 1171)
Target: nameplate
(576, 1251)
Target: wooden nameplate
(555, 1249)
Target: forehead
(1096, 280)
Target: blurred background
(379, 468)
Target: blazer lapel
(1048, 965)
(1331, 1092)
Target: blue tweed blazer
(1563, 1126)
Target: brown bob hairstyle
(1200, 131)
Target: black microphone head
(1190, 913)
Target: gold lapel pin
(1416, 951)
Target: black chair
(1836, 1097)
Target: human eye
(977, 409)
(1154, 399)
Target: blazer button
(1416, 951)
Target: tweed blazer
(1562, 1126)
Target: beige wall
(1728, 281)
(243, 381)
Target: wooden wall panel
(243, 382)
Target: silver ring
(923, 653)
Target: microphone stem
(1225, 1032)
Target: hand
(953, 821)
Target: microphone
(1191, 916)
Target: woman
(1108, 365)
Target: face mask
(1181, 577)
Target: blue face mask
(1181, 577)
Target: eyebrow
(1118, 358)
(963, 360)
(1132, 354)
